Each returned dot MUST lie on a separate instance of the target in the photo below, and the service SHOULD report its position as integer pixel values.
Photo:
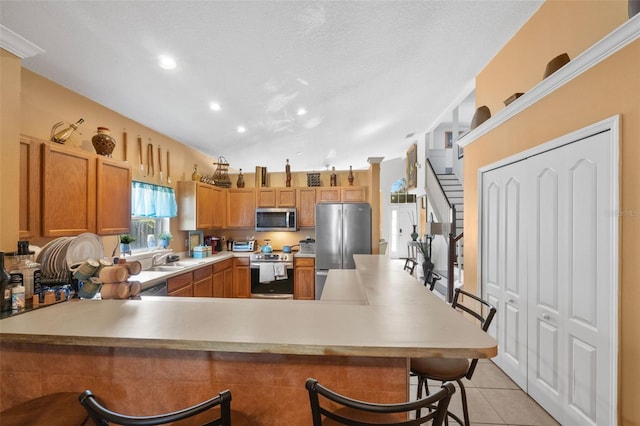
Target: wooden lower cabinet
(223, 278)
(203, 282)
(304, 281)
(181, 285)
(241, 277)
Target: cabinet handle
(546, 317)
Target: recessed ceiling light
(241, 129)
(301, 111)
(299, 153)
(167, 62)
(214, 106)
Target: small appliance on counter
(213, 242)
(243, 246)
(307, 246)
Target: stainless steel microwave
(276, 219)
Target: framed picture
(412, 171)
(448, 138)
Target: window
(151, 208)
(141, 227)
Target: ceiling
(368, 73)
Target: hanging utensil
(150, 165)
(168, 170)
(140, 154)
(160, 163)
(124, 143)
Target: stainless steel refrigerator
(342, 230)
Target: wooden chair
(102, 416)
(450, 369)
(353, 412)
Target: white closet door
(548, 247)
(570, 286)
(504, 267)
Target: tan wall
(37, 104)
(9, 132)
(610, 88)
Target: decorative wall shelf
(622, 36)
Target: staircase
(452, 188)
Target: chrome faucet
(160, 259)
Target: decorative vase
(240, 181)
(414, 234)
(103, 142)
(151, 241)
(287, 170)
(125, 248)
(350, 178)
(334, 177)
(196, 174)
(164, 243)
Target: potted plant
(125, 241)
(164, 238)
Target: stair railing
(436, 194)
(442, 207)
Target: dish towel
(280, 271)
(266, 273)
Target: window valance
(155, 201)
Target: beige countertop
(375, 310)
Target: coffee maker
(213, 242)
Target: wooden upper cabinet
(205, 198)
(241, 208)
(200, 206)
(345, 194)
(306, 207)
(68, 191)
(353, 194)
(265, 197)
(29, 210)
(218, 208)
(275, 197)
(286, 197)
(113, 213)
(328, 195)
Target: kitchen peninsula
(147, 356)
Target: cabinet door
(68, 191)
(353, 194)
(241, 208)
(228, 282)
(306, 207)
(29, 210)
(286, 197)
(205, 199)
(304, 279)
(218, 208)
(265, 197)
(113, 213)
(328, 195)
(181, 285)
(241, 278)
(203, 288)
(186, 291)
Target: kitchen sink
(166, 268)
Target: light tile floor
(494, 399)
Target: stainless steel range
(272, 275)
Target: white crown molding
(18, 45)
(613, 42)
